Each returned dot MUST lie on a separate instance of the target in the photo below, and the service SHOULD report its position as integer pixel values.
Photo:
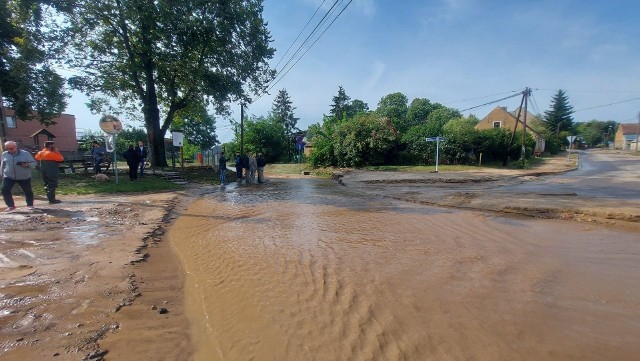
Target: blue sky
(460, 53)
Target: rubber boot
(51, 196)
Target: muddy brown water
(304, 269)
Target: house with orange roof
(500, 117)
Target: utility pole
(506, 155)
(638, 133)
(241, 128)
(526, 93)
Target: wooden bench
(73, 160)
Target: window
(11, 122)
(497, 124)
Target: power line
(482, 97)
(299, 34)
(309, 48)
(274, 81)
(492, 102)
(606, 105)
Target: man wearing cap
(49, 157)
(15, 167)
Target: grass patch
(81, 183)
(421, 168)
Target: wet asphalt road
(599, 175)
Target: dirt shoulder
(75, 283)
(491, 190)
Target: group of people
(136, 157)
(16, 169)
(16, 165)
(249, 163)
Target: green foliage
(365, 139)
(357, 106)
(419, 111)
(596, 132)
(322, 138)
(198, 127)
(266, 136)
(128, 136)
(558, 117)
(164, 55)
(343, 108)
(417, 150)
(461, 139)
(340, 106)
(493, 144)
(80, 183)
(28, 82)
(282, 112)
(394, 107)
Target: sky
(460, 53)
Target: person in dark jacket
(98, 152)
(246, 167)
(238, 167)
(261, 162)
(223, 169)
(49, 158)
(142, 155)
(133, 160)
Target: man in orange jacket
(49, 157)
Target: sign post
(178, 138)
(299, 147)
(571, 139)
(112, 126)
(437, 140)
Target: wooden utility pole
(241, 128)
(638, 133)
(525, 93)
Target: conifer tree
(559, 116)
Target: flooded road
(303, 269)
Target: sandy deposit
(73, 274)
(492, 190)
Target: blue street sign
(437, 140)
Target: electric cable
(309, 48)
(606, 105)
(492, 102)
(299, 34)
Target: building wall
(64, 131)
(625, 135)
(498, 114)
(508, 121)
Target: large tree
(357, 106)
(394, 107)
(161, 56)
(559, 116)
(28, 81)
(340, 107)
(282, 112)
